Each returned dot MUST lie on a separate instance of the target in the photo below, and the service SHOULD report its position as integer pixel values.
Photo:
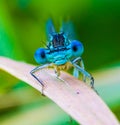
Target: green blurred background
(22, 31)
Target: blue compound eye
(77, 48)
(40, 56)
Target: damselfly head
(60, 48)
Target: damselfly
(61, 53)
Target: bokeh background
(22, 31)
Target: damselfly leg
(83, 71)
(38, 79)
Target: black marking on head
(57, 50)
(58, 40)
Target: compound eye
(77, 48)
(40, 56)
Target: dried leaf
(71, 94)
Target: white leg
(79, 62)
(37, 69)
(84, 72)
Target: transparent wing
(68, 29)
(50, 29)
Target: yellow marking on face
(66, 66)
(57, 68)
